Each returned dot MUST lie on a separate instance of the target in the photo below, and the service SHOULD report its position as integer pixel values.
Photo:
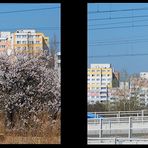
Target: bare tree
(53, 49)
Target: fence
(122, 113)
(117, 126)
(117, 141)
(132, 126)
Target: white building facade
(99, 82)
(144, 75)
(58, 63)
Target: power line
(117, 27)
(16, 11)
(121, 40)
(118, 55)
(40, 28)
(123, 17)
(119, 10)
(118, 43)
(118, 22)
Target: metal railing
(122, 113)
(128, 126)
(117, 141)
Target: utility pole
(28, 44)
(107, 99)
(124, 96)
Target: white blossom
(28, 86)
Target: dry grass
(43, 135)
(29, 140)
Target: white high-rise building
(99, 82)
(58, 62)
(144, 75)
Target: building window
(103, 75)
(24, 42)
(103, 87)
(18, 36)
(103, 83)
(37, 42)
(31, 42)
(30, 36)
(59, 57)
(38, 48)
(2, 46)
(2, 40)
(37, 36)
(103, 97)
(93, 75)
(103, 79)
(18, 42)
(24, 36)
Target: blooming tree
(28, 86)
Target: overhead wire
(118, 22)
(116, 42)
(39, 9)
(118, 10)
(121, 17)
(118, 55)
(102, 28)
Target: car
(92, 115)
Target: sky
(47, 21)
(119, 38)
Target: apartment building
(99, 82)
(5, 42)
(139, 89)
(124, 85)
(58, 62)
(144, 75)
(24, 42)
(29, 42)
